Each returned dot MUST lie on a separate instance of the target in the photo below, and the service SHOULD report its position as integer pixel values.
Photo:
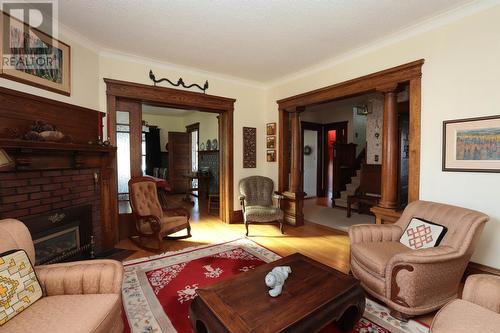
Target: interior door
(179, 160)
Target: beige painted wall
(165, 124)
(461, 78)
(209, 126)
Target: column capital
(387, 88)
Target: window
(194, 129)
(123, 153)
(143, 149)
(194, 150)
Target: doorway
(135, 95)
(387, 82)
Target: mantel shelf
(45, 145)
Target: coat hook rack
(180, 82)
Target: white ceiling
(259, 40)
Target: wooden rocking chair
(150, 219)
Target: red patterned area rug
(158, 290)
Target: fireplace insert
(63, 235)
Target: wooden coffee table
(314, 295)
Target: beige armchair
(79, 297)
(256, 199)
(414, 282)
(477, 311)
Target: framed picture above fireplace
(34, 57)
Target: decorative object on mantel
(215, 144)
(209, 144)
(472, 144)
(5, 160)
(41, 131)
(202, 146)
(249, 147)
(48, 64)
(275, 279)
(180, 82)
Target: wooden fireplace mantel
(57, 146)
(83, 126)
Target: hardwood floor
(321, 243)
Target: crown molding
(401, 35)
(110, 53)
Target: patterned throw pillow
(19, 286)
(422, 234)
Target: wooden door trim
(360, 85)
(168, 97)
(410, 72)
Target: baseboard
(237, 216)
(475, 268)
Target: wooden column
(390, 149)
(283, 151)
(296, 167)
(294, 196)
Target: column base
(292, 207)
(385, 215)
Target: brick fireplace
(32, 195)
(52, 181)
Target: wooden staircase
(350, 189)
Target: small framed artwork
(249, 147)
(271, 129)
(271, 155)
(472, 144)
(34, 57)
(271, 142)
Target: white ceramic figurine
(276, 278)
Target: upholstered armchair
(83, 296)
(151, 220)
(477, 311)
(256, 198)
(414, 282)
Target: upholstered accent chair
(256, 198)
(477, 311)
(78, 297)
(151, 220)
(414, 282)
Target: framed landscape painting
(33, 57)
(472, 144)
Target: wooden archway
(134, 95)
(386, 81)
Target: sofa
(78, 297)
(477, 311)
